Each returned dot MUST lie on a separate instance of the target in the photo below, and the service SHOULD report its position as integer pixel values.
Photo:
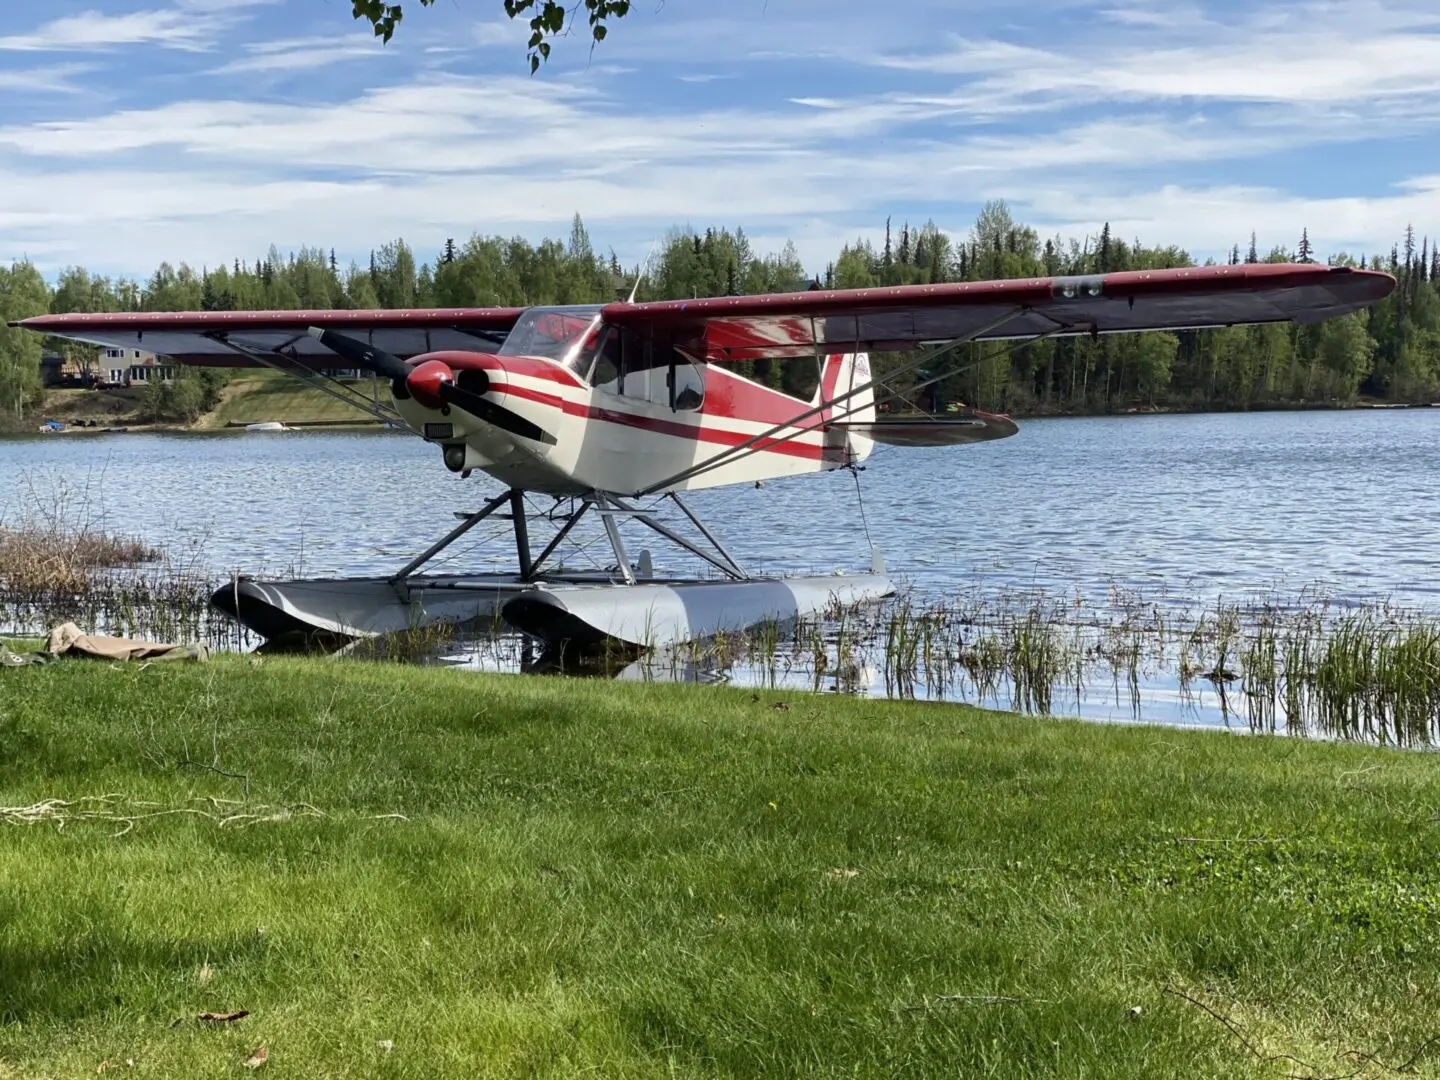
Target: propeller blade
(491, 413)
(362, 355)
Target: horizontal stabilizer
(952, 429)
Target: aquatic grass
(1033, 659)
(1410, 683)
(58, 563)
(1344, 679)
(1260, 672)
(52, 559)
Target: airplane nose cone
(426, 380)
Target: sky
(135, 131)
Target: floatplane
(619, 410)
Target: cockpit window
(644, 369)
(567, 334)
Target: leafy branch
(548, 19)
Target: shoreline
(205, 423)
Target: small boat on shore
(267, 425)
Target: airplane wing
(228, 338)
(881, 319)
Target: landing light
(455, 457)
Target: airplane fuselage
(642, 428)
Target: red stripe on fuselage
(735, 397)
(680, 430)
(530, 367)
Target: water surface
(1175, 510)
(1208, 504)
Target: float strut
(612, 530)
(549, 549)
(522, 535)
(453, 535)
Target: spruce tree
(1253, 255)
(1303, 254)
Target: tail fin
(845, 375)
(845, 382)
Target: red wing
(795, 324)
(220, 338)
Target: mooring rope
(855, 471)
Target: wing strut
(320, 382)
(749, 446)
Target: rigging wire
(855, 471)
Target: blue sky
(200, 130)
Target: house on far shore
(130, 367)
(59, 372)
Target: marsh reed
(59, 563)
(1301, 665)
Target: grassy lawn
(252, 397)
(427, 873)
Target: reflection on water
(1182, 510)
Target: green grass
(629, 880)
(253, 397)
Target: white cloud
(301, 54)
(1296, 54)
(56, 79)
(93, 30)
(1211, 219)
(455, 124)
(190, 25)
(1073, 133)
(506, 33)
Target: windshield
(558, 333)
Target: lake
(1177, 509)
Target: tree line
(1389, 353)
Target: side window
(605, 372)
(648, 367)
(687, 387)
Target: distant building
(127, 367)
(59, 371)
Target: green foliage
(183, 399)
(547, 19)
(23, 294)
(1390, 353)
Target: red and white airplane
(606, 403)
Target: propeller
(435, 381)
(431, 384)
(366, 357)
